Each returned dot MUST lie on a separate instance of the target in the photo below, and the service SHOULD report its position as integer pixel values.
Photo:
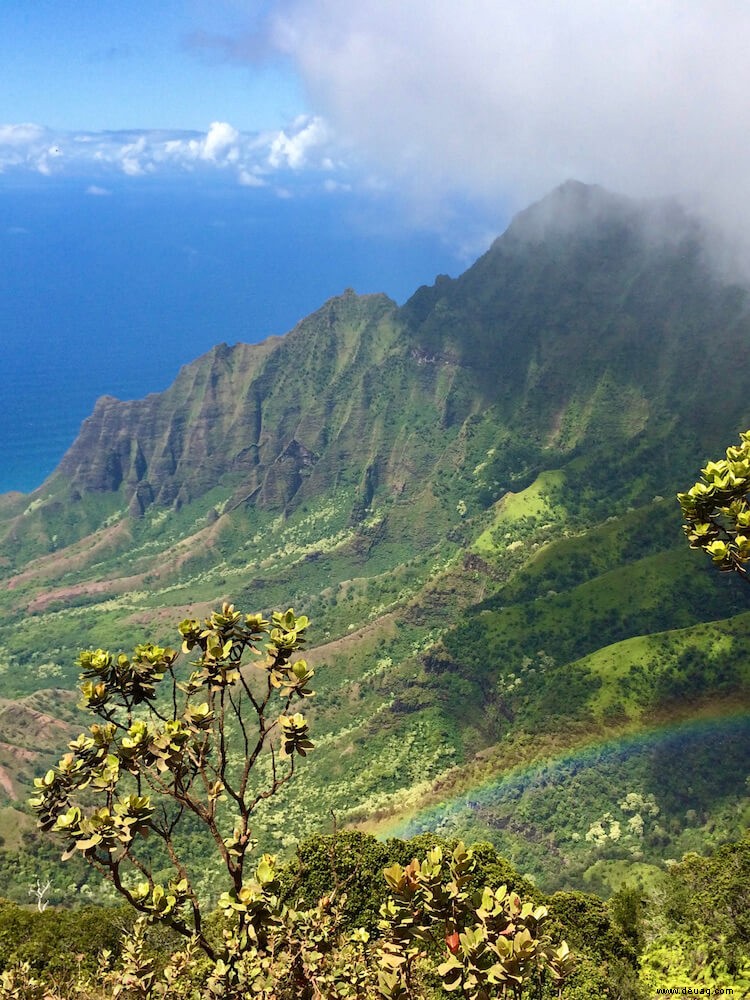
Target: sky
(121, 64)
(488, 102)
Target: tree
(211, 745)
(205, 747)
(717, 511)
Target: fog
(501, 101)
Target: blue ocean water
(112, 293)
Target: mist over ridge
(647, 99)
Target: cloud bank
(250, 159)
(491, 102)
(509, 99)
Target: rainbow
(675, 739)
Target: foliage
(159, 758)
(717, 511)
(60, 942)
(347, 861)
(352, 862)
(167, 752)
(703, 930)
(590, 925)
(496, 943)
(714, 892)
(19, 983)
(294, 954)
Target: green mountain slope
(464, 494)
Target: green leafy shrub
(496, 943)
(717, 512)
(60, 942)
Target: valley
(472, 498)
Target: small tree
(717, 511)
(40, 891)
(167, 746)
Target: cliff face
(254, 415)
(169, 446)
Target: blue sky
(103, 64)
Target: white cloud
(509, 99)
(221, 143)
(293, 150)
(252, 159)
(249, 179)
(132, 156)
(20, 135)
(26, 146)
(492, 101)
(97, 191)
(333, 186)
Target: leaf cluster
(496, 942)
(717, 512)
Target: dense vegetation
(166, 750)
(513, 644)
(350, 916)
(690, 930)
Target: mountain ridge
(465, 494)
(162, 452)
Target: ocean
(110, 292)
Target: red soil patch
(28, 728)
(116, 586)
(20, 753)
(7, 785)
(73, 557)
(337, 648)
(172, 615)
